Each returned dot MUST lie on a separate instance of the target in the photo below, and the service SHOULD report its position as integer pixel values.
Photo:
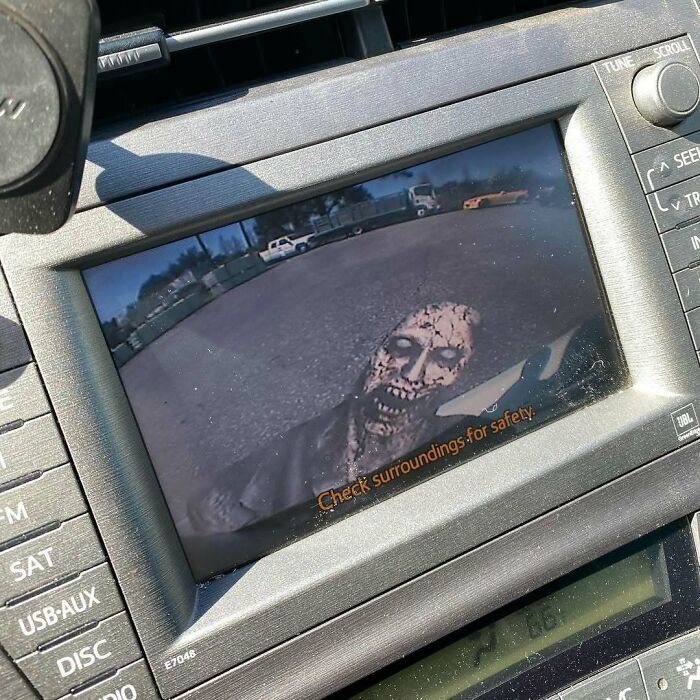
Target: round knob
(30, 105)
(666, 93)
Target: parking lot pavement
(289, 343)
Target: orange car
(496, 198)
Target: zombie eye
(448, 357)
(401, 345)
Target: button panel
(34, 447)
(130, 683)
(62, 618)
(682, 247)
(673, 670)
(12, 684)
(669, 163)
(69, 549)
(37, 503)
(667, 158)
(623, 681)
(617, 76)
(22, 395)
(91, 597)
(688, 285)
(108, 646)
(670, 671)
(675, 205)
(694, 325)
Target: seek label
(669, 163)
(90, 598)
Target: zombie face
(426, 352)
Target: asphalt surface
(290, 343)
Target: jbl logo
(11, 108)
(685, 421)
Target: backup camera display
(288, 369)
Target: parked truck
(354, 219)
(285, 247)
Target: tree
(195, 259)
(515, 178)
(295, 220)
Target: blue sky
(115, 285)
(534, 149)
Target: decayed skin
(394, 399)
(426, 352)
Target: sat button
(31, 565)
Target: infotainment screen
(289, 368)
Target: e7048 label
(180, 659)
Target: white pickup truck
(284, 247)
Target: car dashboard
(368, 365)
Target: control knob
(666, 93)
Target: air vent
(156, 55)
(177, 15)
(412, 21)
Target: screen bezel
(590, 655)
(287, 607)
(618, 378)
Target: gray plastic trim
(263, 22)
(286, 594)
(258, 122)
(355, 645)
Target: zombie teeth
(383, 408)
(401, 394)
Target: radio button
(688, 283)
(14, 350)
(673, 670)
(693, 318)
(34, 447)
(130, 683)
(71, 548)
(53, 497)
(22, 396)
(611, 684)
(12, 684)
(56, 671)
(93, 596)
(682, 247)
(669, 163)
(676, 204)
